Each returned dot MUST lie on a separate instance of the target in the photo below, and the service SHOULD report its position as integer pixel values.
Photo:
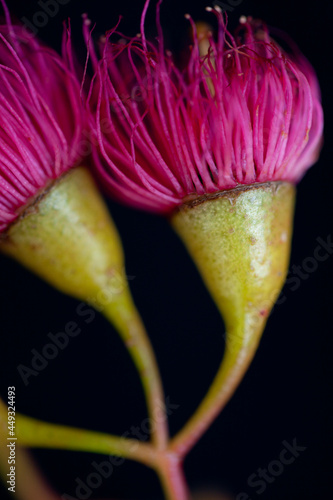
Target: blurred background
(287, 393)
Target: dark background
(287, 392)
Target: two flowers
(217, 146)
(243, 113)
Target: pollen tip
(218, 9)
(209, 9)
(138, 35)
(243, 19)
(187, 16)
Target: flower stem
(172, 478)
(132, 331)
(35, 433)
(38, 434)
(235, 363)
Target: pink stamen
(244, 113)
(41, 117)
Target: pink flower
(41, 118)
(247, 112)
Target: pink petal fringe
(245, 113)
(41, 117)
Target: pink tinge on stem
(41, 117)
(246, 112)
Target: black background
(286, 393)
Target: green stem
(132, 331)
(35, 433)
(236, 360)
(38, 434)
